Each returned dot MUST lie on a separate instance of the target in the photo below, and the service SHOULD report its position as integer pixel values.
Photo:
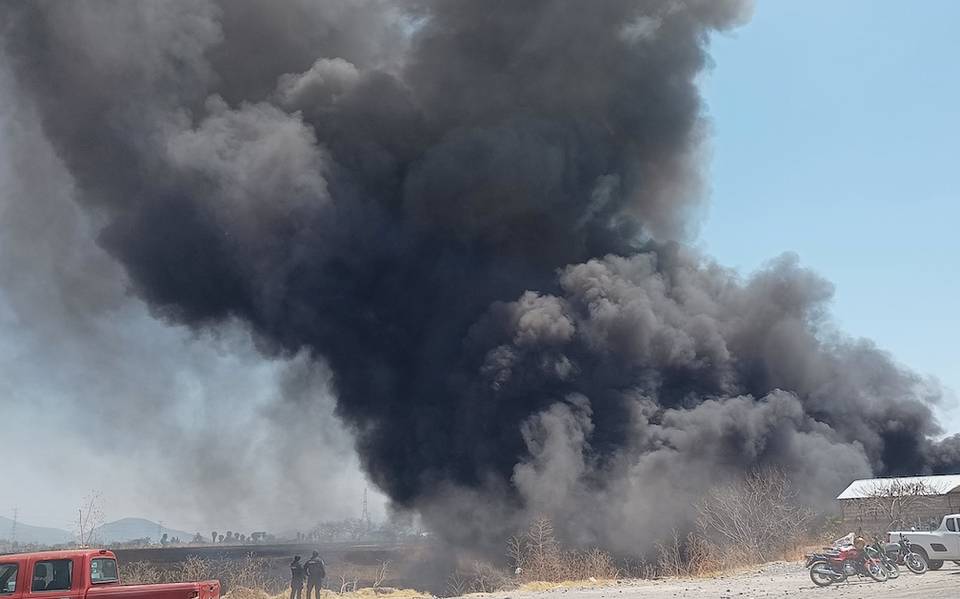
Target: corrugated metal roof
(868, 487)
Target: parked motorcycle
(904, 555)
(827, 568)
(878, 552)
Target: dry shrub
(638, 568)
(742, 523)
(487, 579)
(249, 572)
(347, 578)
(367, 593)
(254, 573)
(195, 569)
(681, 556)
(757, 517)
(694, 555)
(537, 556)
(457, 584)
(479, 577)
(592, 563)
(246, 593)
(251, 577)
(141, 573)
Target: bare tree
(539, 556)
(457, 584)
(486, 578)
(758, 515)
(381, 575)
(348, 582)
(542, 550)
(897, 503)
(517, 554)
(89, 518)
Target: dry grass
(566, 584)
(142, 573)
(248, 573)
(538, 562)
(538, 557)
(367, 593)
(696, 557)
(252, 578)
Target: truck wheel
(935, 564)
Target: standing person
(315, 574)
(297, 574)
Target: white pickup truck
(937, 546)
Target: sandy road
(785, 580)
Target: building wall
(862, 515)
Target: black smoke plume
(475, 213)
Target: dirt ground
(786, 580)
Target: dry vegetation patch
(366, 593)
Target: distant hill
(128, 529)
(33, 534)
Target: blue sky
(835, 128)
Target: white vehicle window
(952, 524)
(103, 569)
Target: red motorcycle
(836, 566)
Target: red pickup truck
(85, 574)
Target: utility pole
(80, 524)
(13, 529)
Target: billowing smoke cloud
(474, 212)
(125, 403)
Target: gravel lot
(786, 580)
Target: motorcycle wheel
(821, 574)
(893, 570)
(915, 563)
(935, 564)
(876, 570)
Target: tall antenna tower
(365, 514)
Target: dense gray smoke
(124, 402)
(474, 212)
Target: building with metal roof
(932, 485)
(876, 505)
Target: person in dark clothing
(297, 575)
(315, 574)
